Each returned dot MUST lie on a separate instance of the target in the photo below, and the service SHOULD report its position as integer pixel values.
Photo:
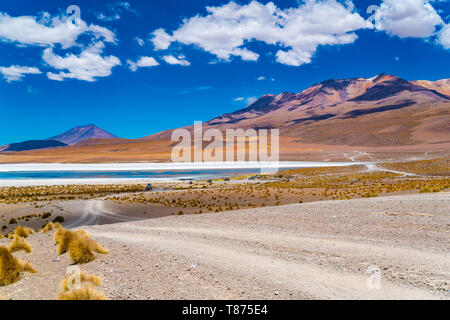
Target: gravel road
(321, 250)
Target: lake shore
(41, 174)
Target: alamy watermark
(74, 16)
(373, 281)
(73, 274)
(228, 145)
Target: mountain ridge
(32, 145)
(335, 114)
(370, 104)
(81, 133)
(73, 136)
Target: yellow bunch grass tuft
(84, 278)
(87, 290)
(80, 251)
(50, 226)
(85, 293)
(63, 238)
(18, 244)
(11, 267)
(79, 245)
(23, 232)
(97, 247)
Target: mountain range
(381, 111)
(71, 137)
(384, 111)
(32, 145)
(82, 133)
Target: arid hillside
(378, 118)
(378, 112)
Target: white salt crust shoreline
(167, 166)
(265, 167)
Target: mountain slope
(381, 111)
(82, 133)
(32, 145)
(442, 86)
(383, 117)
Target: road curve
(323, 250)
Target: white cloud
(297, 31)
(140, 41)
(407, 18)
(142, 63)
(161, 39)
(103, 17)
(87, 66)
(16, 73)
(32, 90)
(248, 100)
(124, 6)
(202, 88)
(444, 37)
(55, 76)
(179, 61)
(47, 31)
(116, 9)
(260, 78)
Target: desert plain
(373, 231)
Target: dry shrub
(50, 226)
(84, 278)
(87, 290)
(85, 293)
(11, 267)
(80, 251)
(97, 247)
(79, 245)
(23, 232)
(63, 238)
(18, 244)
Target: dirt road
(318, 250)
(322, 250)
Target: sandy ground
(77, 213)
(319, 250)
(160, 151)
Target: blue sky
(111, 68)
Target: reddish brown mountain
(82, 133)
(384, 116)
(443, 86)
(381, 111)
(32, 145)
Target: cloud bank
(16, 73)
(142, 63)
(407, 18)
(47, 31)
(87, 66)
(226, 30)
